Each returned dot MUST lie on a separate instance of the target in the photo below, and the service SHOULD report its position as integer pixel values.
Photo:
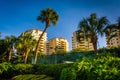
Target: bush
(103, 67)
(52, 70)
(23, 68)
(32, 77)
(68, 74)
(4, 67)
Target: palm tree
(111, 30)
(83, 33)
(48, 16)
(92, 28)
(118, 26)
(10, 41)
(26, 43)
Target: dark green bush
(68, 74)
(52, 70)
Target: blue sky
(17, 16)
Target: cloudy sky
(17, 16)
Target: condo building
(115, 41)
(36, 34)
(82, 45)
(55, 45)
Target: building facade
(115, 41)
(81, 45)
(56, 45)
(36, 34)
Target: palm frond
(102, 24)
(48, 14)
(111, 36)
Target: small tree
(26, 43)
(10, 41)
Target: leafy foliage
(49, 16)
(91, 28)
(6, 48)
(26, 43)
(22, 68)
(53, 70)
(7, 70)
(4, 67)
(32, 77)
(68, 74)
(103, 67)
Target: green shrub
(4, 67)
(53, 70)
(103, 67)
(23, 68)
(32, 77)
(68, 74)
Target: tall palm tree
(10, 41)
(26, 43)
(92, 28)
(48, 16)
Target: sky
(17, 16)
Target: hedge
(7, 70)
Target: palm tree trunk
(86, 41)
(10, 54)
(94, 42)
(95, 48)
(26, 56)
(37, 47)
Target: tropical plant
(3, 53)
(118, 25)
(9, 41)
(113, 31)
(110, 32)
(102, 67)
(92, 27)
(68, 74)
(26, 43)
(48, 16)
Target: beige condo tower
(115, 41)
(82, 45)
(36, 34)
(55, 45)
